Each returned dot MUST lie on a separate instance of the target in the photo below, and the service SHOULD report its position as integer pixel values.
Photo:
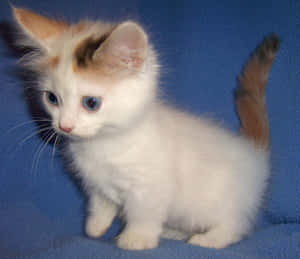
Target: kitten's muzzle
(65, 129)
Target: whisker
(40, 150)
(54, 149)
(14, 148)
(54, 145)
(37, 150)
(25, 123)
(34, 134)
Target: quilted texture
(202, 47)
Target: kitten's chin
(105, 131)
(76, 136)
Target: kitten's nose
(65, 129)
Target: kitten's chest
(107, 172)
(108, 180)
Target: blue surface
(202, 47)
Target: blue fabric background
(202, 47)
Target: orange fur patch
(81, 26)
(39, 26)
(250, 96)
(54, 62)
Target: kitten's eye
(51, 98)
(91, 103)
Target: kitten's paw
(131, 240)
(212, 240)
(96, 226)
(204, 241)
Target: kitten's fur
(170, 173)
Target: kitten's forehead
(71, 87)
(101, 54)
(73, 50)
(76, 44)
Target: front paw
(132, 240)
(96, 226)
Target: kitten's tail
(250, 94)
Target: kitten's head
(94, 76)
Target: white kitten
(170, 174)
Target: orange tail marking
(250, 94)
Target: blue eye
(51, 98)
(91, 103)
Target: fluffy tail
(250, 94)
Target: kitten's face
(95, 77)
(83, 108)
(77, 107)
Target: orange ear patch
(81, 26)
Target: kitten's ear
(41, 30)
(126, 46)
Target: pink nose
(65, 129)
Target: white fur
(162, 168)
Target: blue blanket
(203, 46)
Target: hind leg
(220, 236)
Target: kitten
(168, 173)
